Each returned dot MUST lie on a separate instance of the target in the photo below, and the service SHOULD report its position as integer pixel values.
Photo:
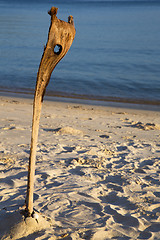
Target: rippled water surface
(115, 55)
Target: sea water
(115, 54)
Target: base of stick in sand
(15, 225)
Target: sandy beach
(97, 171)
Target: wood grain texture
(60, 37)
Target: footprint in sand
(66, 131)
(155, 227)
(68, 149)
(114, 199)
(116, 179)
(147, 163)
(122, 148)
(145, 235)
(157, 194)
(152, 180)
(104, 136)
(54, 184)
(125, 220)
(145, 126)
(115, 187)
(9, 128)
(93, 206)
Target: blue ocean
(115, 55)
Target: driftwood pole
(60, 37)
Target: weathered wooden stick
(60, 37)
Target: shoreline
(95, 102)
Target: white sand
(97, 171)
